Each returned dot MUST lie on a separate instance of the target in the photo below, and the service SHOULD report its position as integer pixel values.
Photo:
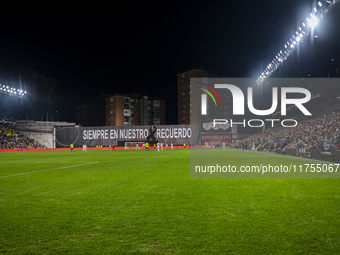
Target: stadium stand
(11, 139)
(315, 137)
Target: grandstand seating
(316, 137)
(10, 138)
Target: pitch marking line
(49, 169)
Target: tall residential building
(133, 109)
(183, 93)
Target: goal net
(134, 145)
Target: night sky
(142, 46)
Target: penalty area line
(51, 169)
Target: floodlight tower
(12, 91)
(320, 9)
(13, 101)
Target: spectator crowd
(10, 138)
(318, 132)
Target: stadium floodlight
(12, 91)
(313, 21)
(319, 11)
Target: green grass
(134, 202)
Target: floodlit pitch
(133, 201)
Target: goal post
(134, 145)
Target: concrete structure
(41, 131)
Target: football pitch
(137, 202)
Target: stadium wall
(40, 131)
(44, 139)
(80, 149)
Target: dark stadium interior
(142, 47)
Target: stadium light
(319, 11)
(12, 91)
(313, 21)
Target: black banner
(106, 136)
